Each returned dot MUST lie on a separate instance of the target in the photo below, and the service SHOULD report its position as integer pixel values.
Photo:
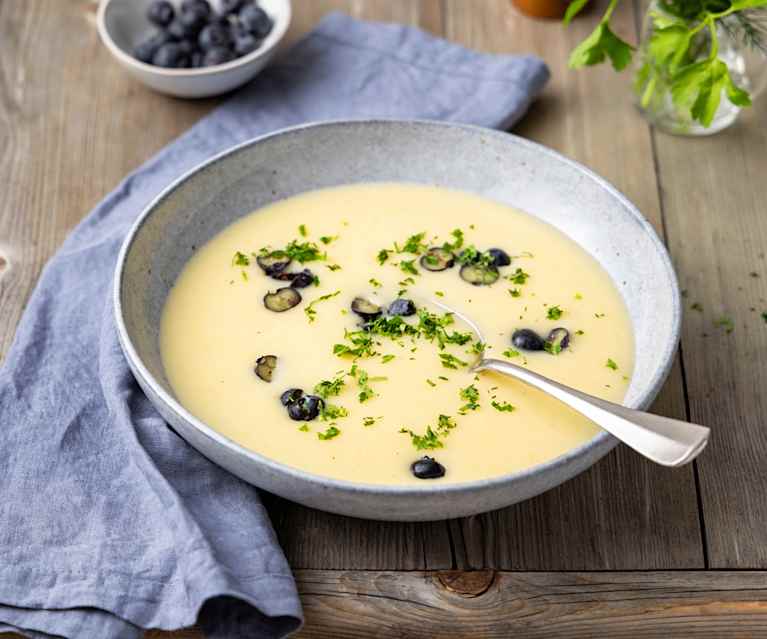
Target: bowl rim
(602, 439)
(281, 24)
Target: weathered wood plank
(714, 200)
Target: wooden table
(626, 549)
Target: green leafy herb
(330, 433)
(414, 244)
(450, 361)
(726, 323)
(580, 332)
(510, 352)
(428, 441)
(457, 241)
(240, 259)
(408, 266)
(331, 411)
(514, 292)
(299, 251)
(430, 383)
(374, 282)
(333, 267)
(503, 407)
(383, 255)
(519, 277)
(327, 239)
(304, 428)
(310, 311)
(445, 423)
(552, 347)
(554, 313)
(363, 382)
(369, 421)
(387, 358)
(302, 230)
(439, 293)
(600, 315)
(470, 395)
(329, 388)
(611, 364)
(578, 296)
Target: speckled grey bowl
(495, 165)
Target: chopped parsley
(240, 259)
(578, 296)
(311, 313)
(329, 388)
(333, 267)
(298, 251)
(580, 332)
(302, 230)
(503, 407)
(450, 361)
(554, 313)
(304, 428)
(519, 277)
(439, 293)
(330, 433)
(510, 352)
(430, 383)
(611, 364)
(383, 255)
(363, 382)
(445, 423)
(431, 326)
(387, 358)
(457, 243)
(514, 292)
(408, 266)
(369, 421)
(696, 306)
(470, 395)
(374, 282)
(362, 345)
(472, 255)
(331, 411)
(726, 323)
(600, 315)
(414, 244)
(428, 441)
(478, 348)
(327, 239)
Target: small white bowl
(122, 24)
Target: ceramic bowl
(122, 24)
(495, 165)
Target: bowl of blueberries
(193, 48)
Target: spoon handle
(666, 441)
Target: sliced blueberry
(558, 340)
(427, 468)
(213, 35)
(479, 274)
(283, 299)
(437, 259)
(274, 262)
(526, 339)
(291, 395)
(171, 56)
(146, 50)
(302, 279)
(160, 13)
(265, 366)
(500, 257)
(255, 20)
(305, 408)
(366, 309)
(402, 306)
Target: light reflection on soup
(393, 394)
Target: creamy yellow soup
(418, 399)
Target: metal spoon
(666, 441)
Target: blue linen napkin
(109, 522)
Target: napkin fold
(109, 522)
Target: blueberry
(217, 55)
(191, 5)
(402, 307)
(255, 20)
(179, 31)
(291, 395)
(171, 56)
(244, 43)
(303, 279)
(197, 59)
(161, 13)
(187, 46)
(427, 468)
(213, 35)
(146, 50)
(230, 6)
(527, 340)
(305, 408)
(194, 18)
(500, 257)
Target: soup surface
(398, 389)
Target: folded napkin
(109, 522)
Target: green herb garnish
(370, 421)
(302, 230)
(408, 266)
(383, 255)
(333, 267)
(331, 411)
(428, 441)
(329, 388)
(387, 358)
(327, 239)
(374, 282)
(611, 364)
(450, 361)
(554, 313)
(726, 323)
(504, 407)
(519, 277)
(311, 313)
(299, 251)
(470, 395)
(514, 292)
(330, 433)
(240, 259)
(304, 428)
(578, 296)
(510, 352)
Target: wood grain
(717, 227)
